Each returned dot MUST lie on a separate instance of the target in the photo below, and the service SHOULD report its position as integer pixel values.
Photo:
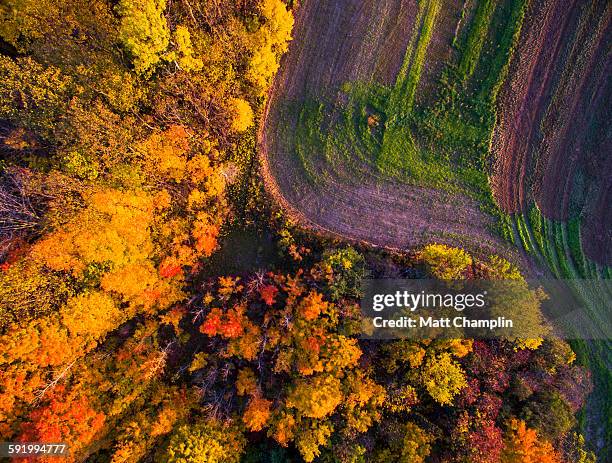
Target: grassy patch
(476, 38)
(496, 58)
(575, 247)
(402, 96)
(442, 145)
(556, 237)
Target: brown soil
(556, 96)
(448, 23)
(361, 40)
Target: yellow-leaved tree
(184, 54)
(442, 377)
(242, 114)
(445, 262)
(271, 42)
(143, 31)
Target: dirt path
(360, 41)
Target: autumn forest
(158, 304)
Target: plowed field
(329, 141)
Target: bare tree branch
(40, 394)
(19, 210)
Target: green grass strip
(575, 247)
(497, 67)
(476, 39)
(402, 98)
(556, 238)
(522, 231)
